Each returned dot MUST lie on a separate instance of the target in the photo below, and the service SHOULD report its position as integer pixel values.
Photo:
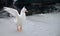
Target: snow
(36, 25)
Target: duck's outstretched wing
(12, 11)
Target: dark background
(33, 6)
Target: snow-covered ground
(36, 25)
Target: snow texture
(36, 25)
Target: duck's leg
(19, 28)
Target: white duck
(20, 18)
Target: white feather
(19, 18)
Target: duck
(19, 18)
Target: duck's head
(24, 9)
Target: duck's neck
(22, 14)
